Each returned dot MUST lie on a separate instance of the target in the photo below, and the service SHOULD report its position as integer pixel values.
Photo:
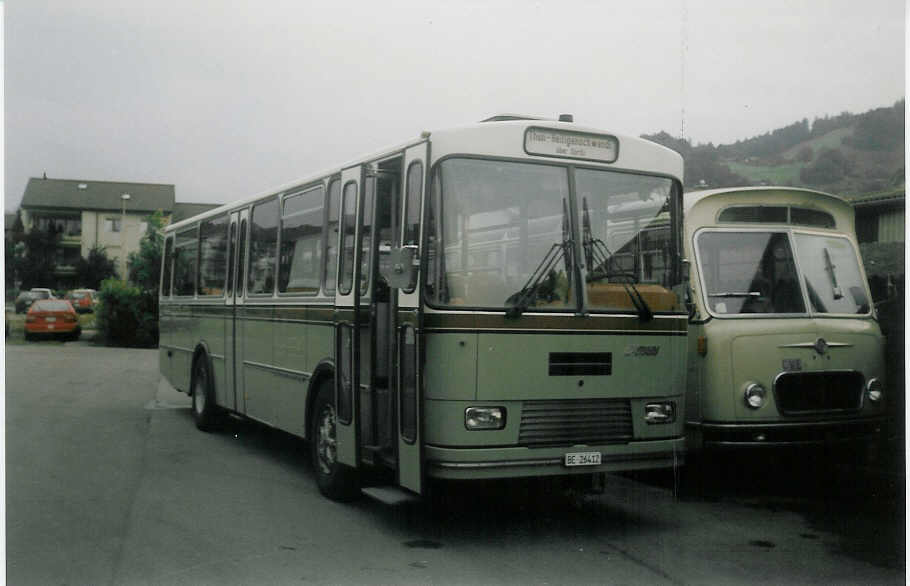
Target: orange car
(52, 317)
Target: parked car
(52, 317)
(83, 300)
(26, 298)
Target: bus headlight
(663, 412)
(754, 395)
(874, 390)
(476, 418)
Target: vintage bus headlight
(874, 390)
(754, 395)
(663, 412)
(476, 418)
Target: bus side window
(232, 254)
(300, 259)
(185, 254)
(330, 257)
(241, 258)
(411, 232)
(263, 247)
(348, 226)
(213, 255)
(166, 269)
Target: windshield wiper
(597, 252)
(735, 294)
(528, 294)
(829, 267)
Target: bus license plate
(582, 459)
(50, 319)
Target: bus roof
(504, 138)
(690, 198)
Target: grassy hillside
(848, 154)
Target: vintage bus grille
(806, 392)
(566, 423)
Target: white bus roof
(495, 138)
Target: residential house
(108, 214)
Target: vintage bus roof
(493, 138)
(690, 198)
(702, 208)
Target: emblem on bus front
(821, 346)
(642, 350)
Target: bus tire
(335, 480)
(205, 411)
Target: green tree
(144, 266)
(96, 268)
(36, 266)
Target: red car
(52, 317)
(83, 300)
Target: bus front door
(348, 322)
(408, 327)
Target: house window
(112, 225)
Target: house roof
(183, 211)
(96, 195)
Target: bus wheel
(335, 480)
(204, 409)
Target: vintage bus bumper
(516, 462)
(795, 434)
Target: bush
(126, 315)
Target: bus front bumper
(517, 462)
(790, 434)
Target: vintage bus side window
(166, 269)
(330, 267)
(754, 214)
(348, 225)
(263, 247)
(301, 242)
(213, 255)
(815, 218)
(185, 262)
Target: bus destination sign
(574, 145)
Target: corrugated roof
(891, 197)
(97, 195)
(183, 211)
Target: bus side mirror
(400, 268)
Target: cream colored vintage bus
(785, 349)
(494, 301)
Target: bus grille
(808, 392)
(566, 423)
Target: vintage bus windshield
(831, 271)
(756, 273)
(497, 225)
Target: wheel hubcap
(325, 441)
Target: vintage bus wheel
(204, 409)
(335, 480)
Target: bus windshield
(756, 273)
(832, 275)
(501, 231)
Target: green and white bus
(499, 300)
(785, 349)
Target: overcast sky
(227, 99)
